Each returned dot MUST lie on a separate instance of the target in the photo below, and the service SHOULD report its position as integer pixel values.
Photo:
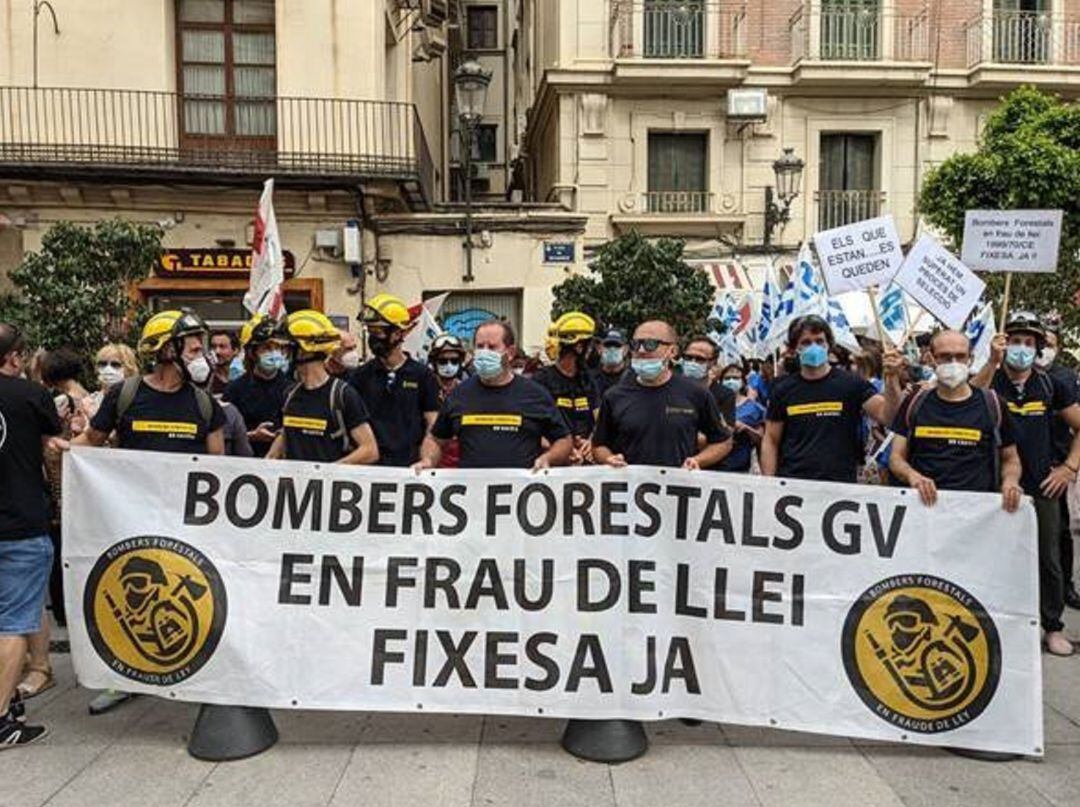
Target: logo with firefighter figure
(155, 609)
(922, 653)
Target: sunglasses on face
(116, 365)
(647, 345)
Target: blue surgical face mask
(488, 363)
(236, 368)
(271, 361)
(648, 369)
(733, 384)
(447, 369)
(611, 356)
(814, 356)
(1020, 357)
(694, 369)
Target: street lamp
(788, 170)
(470, 90)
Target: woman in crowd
(749, 421)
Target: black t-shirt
(310, 423)
(577, 398)
(158, 421)
(27, 413)
(725, 401)
(952, 442)
(822, 420)
(605, 381)
(396, 402)
(500, 427)
(1062, 434)
(1033, 412)
(259, 401)
(658, 425)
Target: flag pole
(885, 341)
(1005, 300)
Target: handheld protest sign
(939, 282)
(1012, 240)
(859, 256)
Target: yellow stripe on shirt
(946, 433)
(1030, 408)
(164, 427)
(491, 420)
(293, 422)
(823, 408)
(564, 403)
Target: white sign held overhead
(860, 255)
(939, 282)
(1012, 240)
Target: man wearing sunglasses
(813, 426)
(28, 427)
(698, 363)
(659, 418)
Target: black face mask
(380, 345)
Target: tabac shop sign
(220, 262)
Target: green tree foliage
(1028, 157)
(631, 280)
(75, 290)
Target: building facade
(629, 105)
(176, 111)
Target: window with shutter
(678, 170)
(226, 73)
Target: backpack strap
(337, 406)
(1046, 385)
(126, 397)
(915, 403)
(205, 404)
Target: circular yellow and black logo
(922, 653)
(155, 609)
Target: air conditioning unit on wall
(748, 105)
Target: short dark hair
(62, 364)
(234, 340)
(11, 338)
(509, 338)
(700, 337)
(738, 366)
(811, 323)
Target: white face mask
(1046, 358)
(198, 369)
(107, 376)
(350, 360)
(952, 374)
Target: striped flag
(841, 327)
(267, 260)
(980, 332)
(810, 296)
(892, 308)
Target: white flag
(810, 297)
(841, 328)
(267, 261)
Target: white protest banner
(638, 593)
(1012, 240)
(859, 255)
(939, 282)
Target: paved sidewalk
(136, 756)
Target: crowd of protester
(299, 389)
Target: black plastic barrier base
(605, 740)
(223, 733)
(984, 756)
